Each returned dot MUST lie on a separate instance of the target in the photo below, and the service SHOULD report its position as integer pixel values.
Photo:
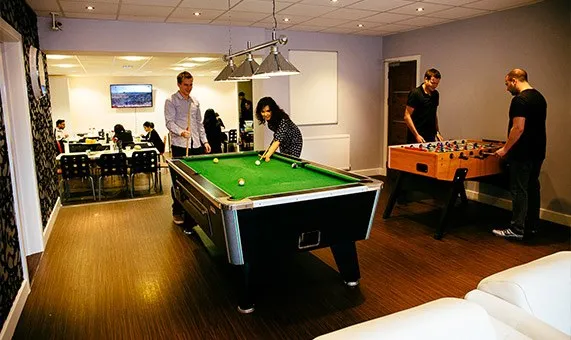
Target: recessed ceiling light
(177, 68)
(133, 58)
(187, 65)
(286, 19)
(201, 59)
(196, 14)
(360, 25)
(65, 65)
(89, 8)
(58, 56)
(334, 1)
(420, 9)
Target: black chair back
(145, 161)
(74, 166)
(113, 164)
(232, 136)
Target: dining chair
(112, 164)
(145, 162)
(75, 166)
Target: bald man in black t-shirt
(420, 113)
(525, 152)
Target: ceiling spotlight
(197, 14)
(201, 59)
(57, 56)
(89, 8)
(286, 19)
(420, 9)
(334, 1)
(360, 25)
(133, 58)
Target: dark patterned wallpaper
(21, 17)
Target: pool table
(285, 205)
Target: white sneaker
(177, 219)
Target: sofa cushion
(443, 319)
(541, 287)
(515, 317)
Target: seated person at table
(213, 127)
(122, 136)
(153, 137)
(287, 136)
(61, 136)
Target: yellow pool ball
(241, 182)
(215, 160)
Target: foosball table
(446, 164)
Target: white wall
(359, 68)
(89, 104)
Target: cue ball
(258, 163)
(215, 160)
(241, 182)
(294, 165)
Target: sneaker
(178, 219)
(507, 233)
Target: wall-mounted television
(131, 95)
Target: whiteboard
(313, 93)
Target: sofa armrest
(442, 319)
(515, 317)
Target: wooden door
(402, 79)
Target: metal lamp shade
(275, 65)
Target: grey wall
(474, 55)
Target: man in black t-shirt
(525, 152)
(420, 113)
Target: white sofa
(442, 319)
(537, 294)
(531, 301)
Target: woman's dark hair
(277, 113)
(118, 128)
(149, 125)
(209, 117)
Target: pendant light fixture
(274, 64)
(224, 75)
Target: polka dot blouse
(289, 136)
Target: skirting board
(15, 312)
(52, 221)
(544, 214)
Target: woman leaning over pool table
(287, 136)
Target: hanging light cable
(224, 75)
(275, 64)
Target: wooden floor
(123, 270)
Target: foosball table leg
(394, 195)
(456, 188)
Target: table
(441, 168)
(94, 155)
(279, 210)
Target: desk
(279, 210)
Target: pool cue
(265, 152)
(188, 126)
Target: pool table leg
(245, 302)
(345, 255)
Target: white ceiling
(376, 18)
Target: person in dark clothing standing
(287, 136)
(525, 152)
(420, 113)
(153, 137)
(213, 126)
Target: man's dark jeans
(179, 152)
(524, 188)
